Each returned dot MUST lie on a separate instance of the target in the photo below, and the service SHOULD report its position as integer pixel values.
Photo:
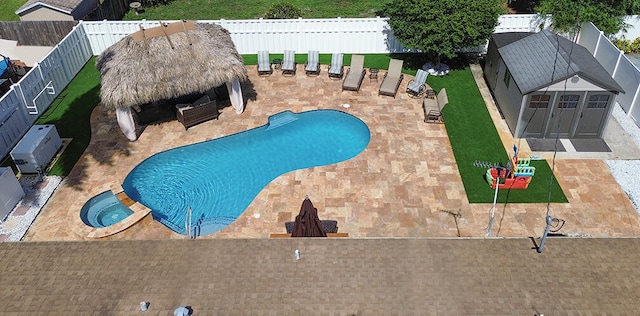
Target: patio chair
(200, 111)
(392, 79)
(355, 74)
(433, 107)
(418, 85)
(312, 66)
(289, 63)
(336, 69)
(264, 64)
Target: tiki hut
(167, 62)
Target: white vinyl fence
(36, 91)
(618, 66)
(367, 36)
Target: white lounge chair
(418, 85)
(289, 63)
(264, 64)
(336, 69)
(312, 67)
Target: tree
(440, 28)
(606, 15)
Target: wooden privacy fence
(36, 33)
(109, 10)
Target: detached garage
(547, 86)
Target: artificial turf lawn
(71, 112)
(474, 137)
(370, 60)
(471, 131)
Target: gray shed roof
(533, 57)
(65, 6)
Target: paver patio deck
(405, 184)
(399, 187)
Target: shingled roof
(532, 58)
(65, 6)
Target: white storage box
(10, 192)
(36, 149)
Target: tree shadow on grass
(415, 61)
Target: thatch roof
(145, 67)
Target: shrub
(283, 10)
(628, 46)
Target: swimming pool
(219, 178)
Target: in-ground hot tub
(104, 210)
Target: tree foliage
(606, 15)
(628, 46)
(440, 28)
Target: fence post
(615, 68)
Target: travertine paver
(336, 276)
(405, 184)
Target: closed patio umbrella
(307, 223)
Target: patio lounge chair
(336, 69)
(289, 63)
(312, 67)
(355, 74)
(433, 107)
(418, 85)
(392, 78)
(264, 64)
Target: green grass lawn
(471, 131)
(8, 9)
(243, 10)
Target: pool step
(280, 119)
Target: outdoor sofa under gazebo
(168, 62)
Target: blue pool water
(218, 179)
(104, 210)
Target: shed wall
(508, 98)
(492, 60)
(45, 14)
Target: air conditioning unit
(11, 192)
(36, 149)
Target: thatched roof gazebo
(167, 62)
